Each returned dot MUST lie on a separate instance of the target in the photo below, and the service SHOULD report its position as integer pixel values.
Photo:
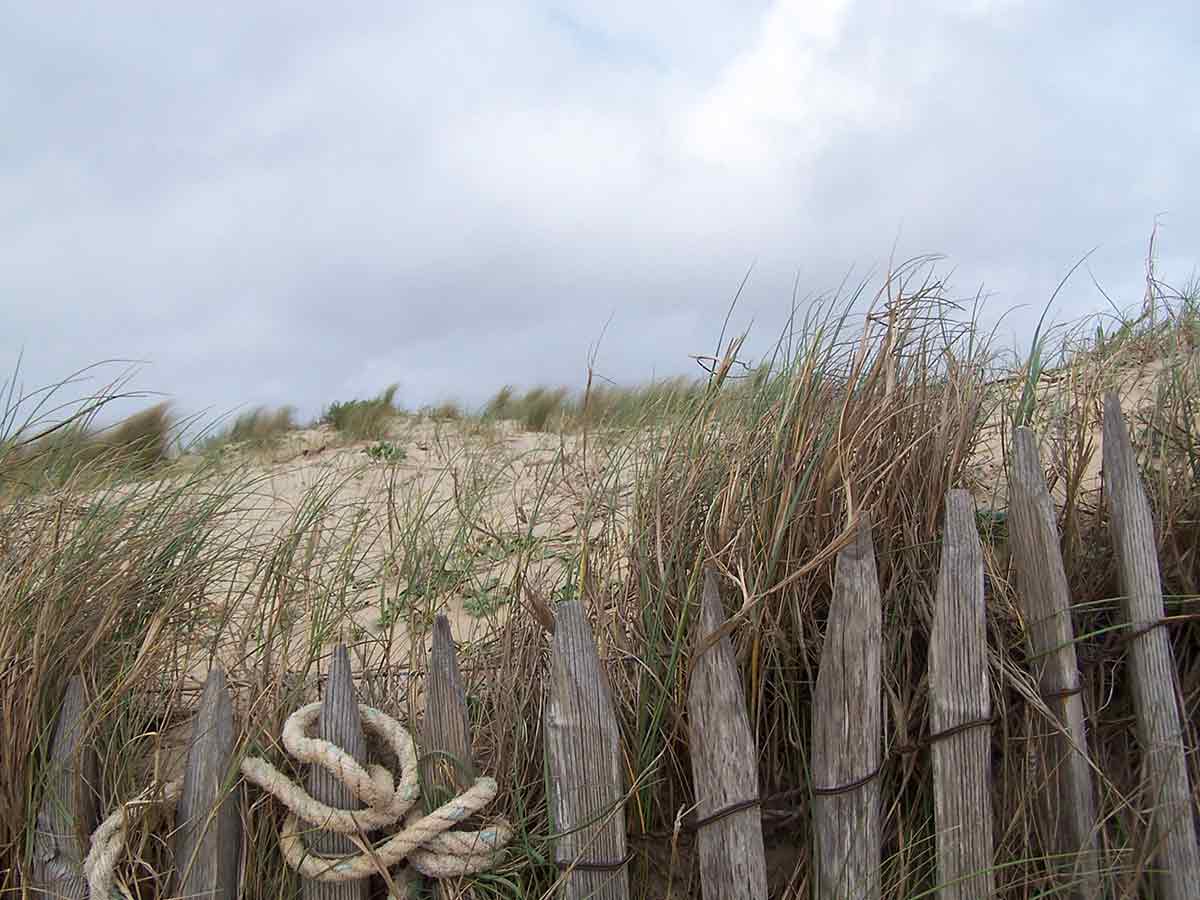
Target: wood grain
(1167, 797)
(959, 696)
(447, 766)
(1067, 806)
(586, 792)
(340, 723)
(69, 811)
(208, 832)
(847, 730)
(724, 764)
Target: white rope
(425, 841)
(108, 840)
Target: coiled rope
(426, 841)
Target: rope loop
(426, 841)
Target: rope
(108, 841)
(425, 840)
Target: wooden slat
(1166, 797)
(583, 761)
(724, 765)
(847, 726)
(447, 766)
(208, 830)
(960, 697)
(1067, 805)
(340, 723)
(70, 807)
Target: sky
(289, 204)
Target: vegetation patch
(363, 420)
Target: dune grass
(879, 401)
(257, 429)
(49, 451)
(598, 406)
(363, 420)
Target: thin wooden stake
(847, 729)
(447, 766)
(339, 723)
(1067, 805)
(583, 763)
(724, 765)
(1167, 799)
(70, 806)
(208, 834)
(959, 696)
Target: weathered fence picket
(724, 765)
(1166, 796)
(583, 762)
(340, 723)
(70, 805)
(1067, 804)
(847, 730)
(447, 768)
(208, 830)
(961, 709)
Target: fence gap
(339, 723)
(447, 767)
(70, 805)
(1165, 792)
(724, 764)
(208, 833)
(960, 697)
(847, 728)
(583, 761)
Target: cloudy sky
(294, 203)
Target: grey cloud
(288, 203)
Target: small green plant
(386, 451)
(483, 600)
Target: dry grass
(880, 401)
(39, 454)
(257, 429)
(363, 420)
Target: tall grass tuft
(363, 420)
(54, 455)
(258, 428)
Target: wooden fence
(585, 768)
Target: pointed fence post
(339, 723)
(583, 762)
(960, 699)
(847, 731)
(1167, 797)
(447, 768)
(724, 764)
(1067, 805)
(208, 833)
(70, 805)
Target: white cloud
(316, 200)
(780, 99)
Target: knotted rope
(425, 840)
